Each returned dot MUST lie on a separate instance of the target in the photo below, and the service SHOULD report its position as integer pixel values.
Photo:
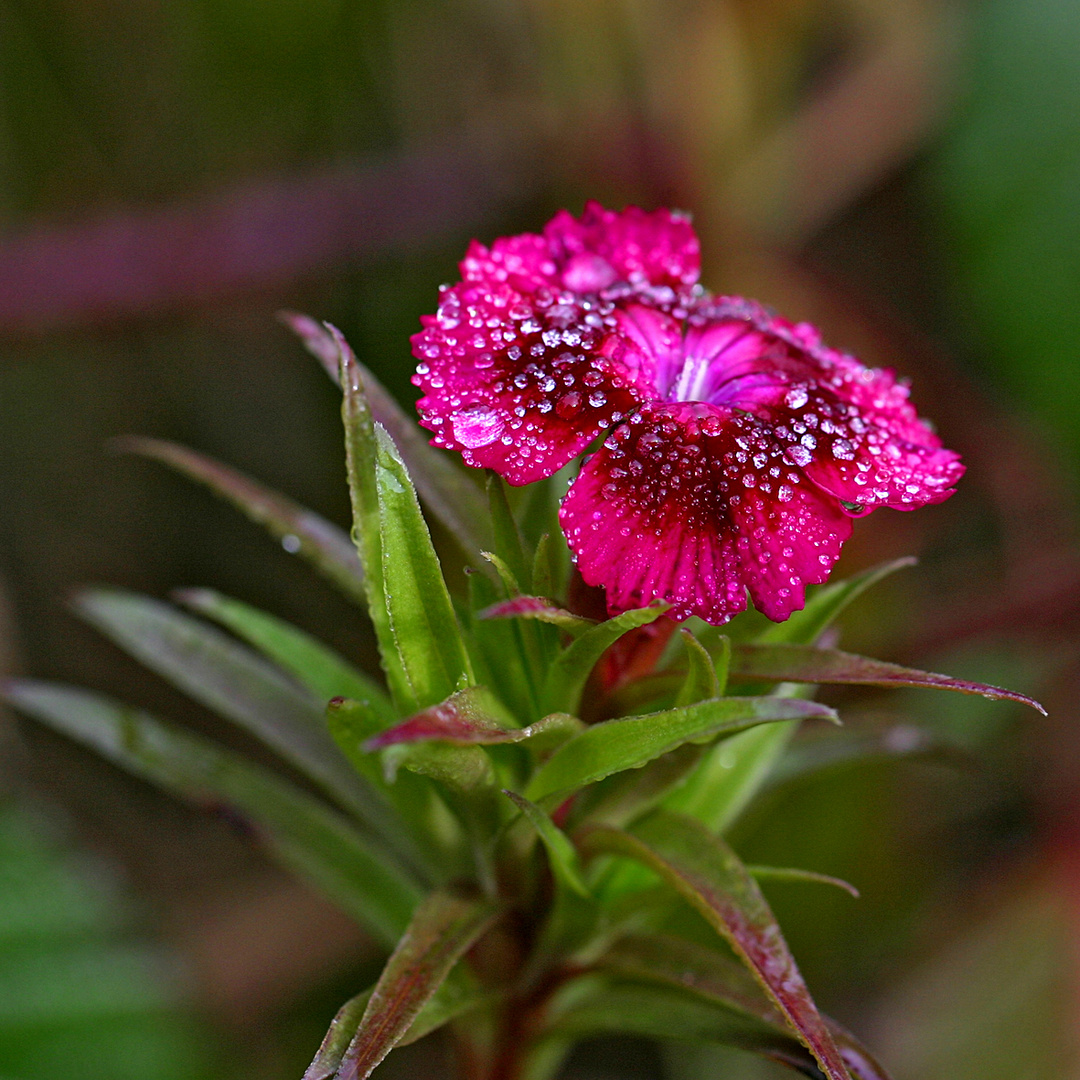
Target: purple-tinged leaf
(709, 875)
(709, 974)
(300, 531)
(316, 339)
(808, 664)
(442, 930)
(337, 1038)
(537, 607)
(468, 718)
(458, 994)
(445, 489)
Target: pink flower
(739, 446)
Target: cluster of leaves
(537, 878)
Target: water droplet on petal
(476, 427)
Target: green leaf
(543, 570)
(462, 768)
(442, 930)
(730, 775)
(300, 531)
(505, 669)
(630, 742)
(227, 677)
(360, 461)
(702, 681)
(567, 676)
(620, 798)
(709, 875)
(561, 852)
(316, 665)
(537, 607)
(791, 874)
(444, 488)
(422, 617)
(507, 536)
(302, 832)
(809, 664)
(707, 973)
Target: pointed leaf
(300, 531)
(316, 665)
(567, 676)
(445, 489)
(537, 607)
(632, 741)
(422, 617)
(227, 677)
(710, 974)
(304, 834)
(808, 664)
(507, 536)
(561, 852)
(443, 928)
(337, 1038)
(360, 461)
(457, 995)
(701, 682)
(789, 874)
(709, 875)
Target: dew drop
(476, 427)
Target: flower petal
(521, 385)
(525, 262)
(604, 246)
(693, 504)
(851, 428)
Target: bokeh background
(904, 173)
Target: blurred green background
(904, 173)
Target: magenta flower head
(738, 446)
